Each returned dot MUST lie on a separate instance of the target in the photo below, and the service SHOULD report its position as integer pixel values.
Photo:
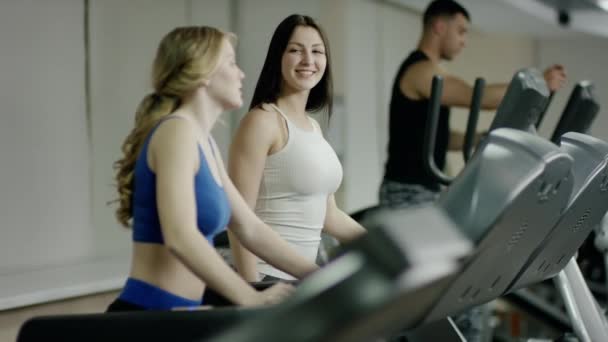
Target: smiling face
(304, 60)
(225, 83)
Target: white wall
(123, 40)
(60, 238)
(584, 60)
(399, 34)
(496, 58)
(124, 37)
(361, 68)
(44, 197)
(45, 201)
(217, 13)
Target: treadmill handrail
(541, 115)
(469, 137)
(581, 104)
(430, 133)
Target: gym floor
(11, 320)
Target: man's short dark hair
(440, 8)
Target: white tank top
(295, 185)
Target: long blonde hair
(185, 57)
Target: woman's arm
(259, 238)
(248, 152)
(340, 225)
(174, 159)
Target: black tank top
(407, 122)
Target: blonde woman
(173, 188)
(279, 159)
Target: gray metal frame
(527, 93)
(556, 255)
(586, 208)
(508, 215)
(588, 320)
(361, 295)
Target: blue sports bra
(212, 205)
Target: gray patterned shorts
(401, 195)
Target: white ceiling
(528, 17)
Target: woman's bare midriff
(156, 265)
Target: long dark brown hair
(269, 83)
